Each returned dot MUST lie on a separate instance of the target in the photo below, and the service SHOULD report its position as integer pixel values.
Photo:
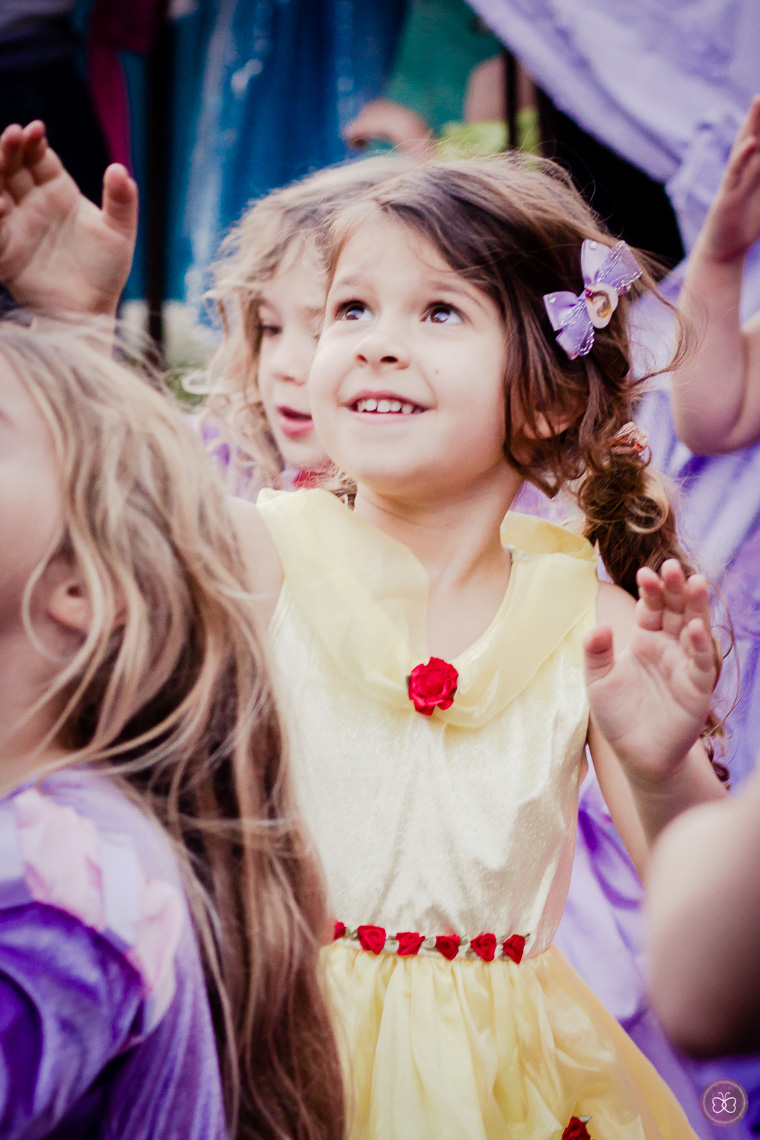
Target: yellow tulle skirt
(440, 1050)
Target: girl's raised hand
(733, 223)
(58, 251)
(652, 701)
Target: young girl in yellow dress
(431, 655)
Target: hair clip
(630, 440)
(607, 274)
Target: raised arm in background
(58, 251)
(716, 395)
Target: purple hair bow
(607, 273)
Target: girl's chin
(409, 485)
(303, 457)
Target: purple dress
(602, 932)
(105, 1030)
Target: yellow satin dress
(463, 823)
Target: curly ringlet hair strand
(513, 226)
(286, 224)
(169, 694)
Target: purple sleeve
(69, 1004)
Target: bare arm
(649, 703)
(260, 556)
(58, 251)
(716, 395)
(704, 921)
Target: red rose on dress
(484, 946)
(513, 947)
(409, 943)
(448, 945)
(371, 938)
(576, 1130)
(340, 930)
(432, 686)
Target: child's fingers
(599, 653)
(741, 169)
(26, 159)
(697, 601)
(698, 633)
(11, 149)
(649, 608)
(17, 179)
(698, 644)
(750, 124)
(667, 601)
(10, 141)
(674, 597)
(41, 160)
(120, 200)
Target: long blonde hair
(250, 256)
(169, 693)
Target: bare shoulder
(259, 554)
(615, 607)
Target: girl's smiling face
(292, 301)
(407, 385)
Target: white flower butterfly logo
(723, 1102)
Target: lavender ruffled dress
(105, 1028)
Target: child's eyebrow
(347, 281)
(313, 312)
(452, 286)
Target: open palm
(58, 250)
(651, 701)
(733, 222)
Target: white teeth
(395, 406)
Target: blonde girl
(159, 916)
(432, 654)
(269, 293)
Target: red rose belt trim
(408, 943)
(576, 1129)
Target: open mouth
(384, 406)
(294, 423)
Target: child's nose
(293, 359)
(380, 351)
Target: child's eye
(441, 314)
(268, 331)
(352, 311)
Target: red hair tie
(630, 440)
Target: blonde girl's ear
(67, 603)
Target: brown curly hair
(513, 226)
